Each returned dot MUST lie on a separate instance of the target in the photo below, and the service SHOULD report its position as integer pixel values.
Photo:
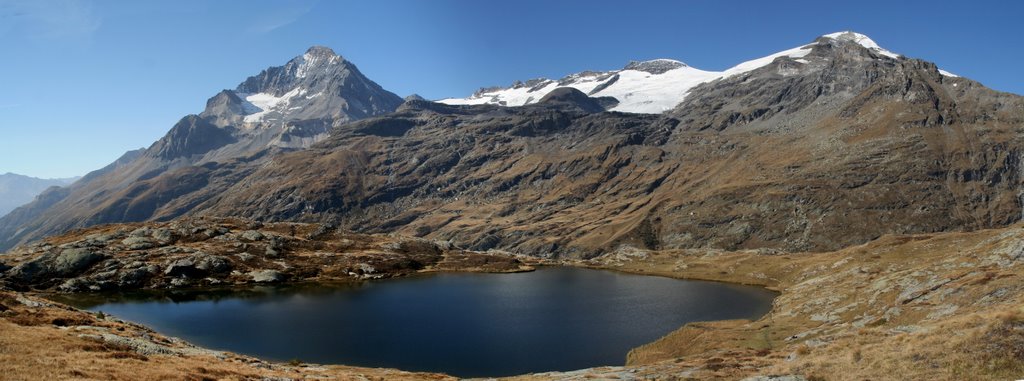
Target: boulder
(267, 276)
(137, 243)
(252, 235)
(180, 282)
(197, 266)
(74, 285)
(184, 267)
(69, 262)
(133, 278)
(99, 238)
(74, 261)
(163, 235)
(275, 247)
(27, 272)
(141, 232)
(212, 264)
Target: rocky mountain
(283, 108)
(652, 86)
(828, 145)
(17, 190)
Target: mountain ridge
(17, 190)
(651, 86)
(287, 107)
(785, 155)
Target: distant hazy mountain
(17, 190)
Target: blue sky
(85, 80)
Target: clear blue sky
(83, 81)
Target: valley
(831, 211)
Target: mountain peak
(860, 39)
(315, 58)
(657, 66)
(320, 51)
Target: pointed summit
(319, 84)
(320, 51)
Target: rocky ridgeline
(211, 252)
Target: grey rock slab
(266, 276)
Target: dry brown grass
(935, 306)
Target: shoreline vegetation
(937, 306)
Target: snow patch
(641, 91)
(259, 105)
(948, 74)
(863, 40)
(311, 62)
(752, 65)
(637, 91)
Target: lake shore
(941, 306)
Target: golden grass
(931, 306)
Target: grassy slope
(938, 306)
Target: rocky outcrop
(932, 306)
(192, 135)
(208, 252)
(572, 98)
(58, 263)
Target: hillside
(938, 306)
(283, 108)
(835, 148)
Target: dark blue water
(462, 324)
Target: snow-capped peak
(320, 50)
(657, 66)
(314, 58)
(641, 86)
(862, 40)
(652, 86)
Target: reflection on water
(212, 294)
(462, 324)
